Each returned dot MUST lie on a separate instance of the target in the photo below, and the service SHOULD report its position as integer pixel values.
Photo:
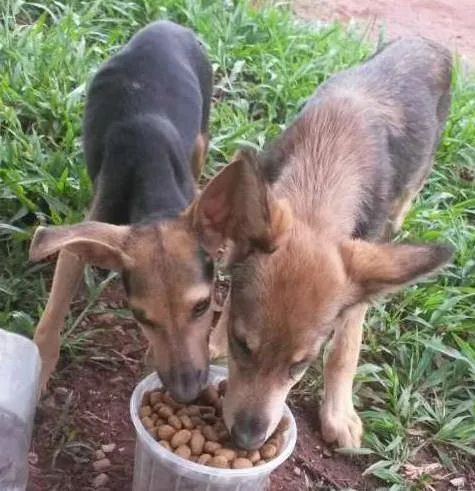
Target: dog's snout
(186, 383)
(249, 430)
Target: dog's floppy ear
(238, 205)
(96, 243)
(382, 268)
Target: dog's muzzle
(185, 383)
(249, 431)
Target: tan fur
(375, 103)
(339, 421)
(199, 155)
(47, 336)
(328, 196)
(402, 205)
(307, 278)
(167, 291)
(218, 344)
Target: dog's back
(405, 88)
(386, 117)
(144, 109)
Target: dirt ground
(87, 407)
(87, 404)
(450, 22)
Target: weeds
(415, 386)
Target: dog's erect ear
(96, 243)
(382, 268)
(238, 205)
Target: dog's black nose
(249, 431)
(185, 384)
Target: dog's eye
(241, 345)
(297, 369)
(201, 307)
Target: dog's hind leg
(199, 155)
(339, 421)
(401, 207)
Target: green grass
(416, 385)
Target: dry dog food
(197, 432)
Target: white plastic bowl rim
(152, 382)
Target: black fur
(144, 109)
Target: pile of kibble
(197, 432)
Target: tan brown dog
(307, 217)
(145, 140)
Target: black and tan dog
(308, 218)
(145, 141)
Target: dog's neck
(162, 199)
(164, 190)
(328, 172)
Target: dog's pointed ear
(383, 268)
(96, 243)
(238, 205)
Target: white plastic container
(20, 367)
(157, 469)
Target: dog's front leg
(48, 332)
(218, 344)
(339, 421)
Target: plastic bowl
(158, 469)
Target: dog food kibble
(186, 422)
(145, 411)
(170, 402)
(227, 453)
(198, 433)
(175, 421)
(180, 438)
(165, 432)
(165, 411)
(155, 397)
(148, 422)
(183, 451)
(165, 444)
(210, 433)
(211, 447)
(254, 456)
(197, 442)
(242, 463)
(268, 451)
(204, 458)
(219, 461)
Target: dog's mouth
(184, 384)
(247, 440)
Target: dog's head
(290, 288)
(168, 279)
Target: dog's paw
(44, 379)
(48, 366)
(344, 427)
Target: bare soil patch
(449, 22)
